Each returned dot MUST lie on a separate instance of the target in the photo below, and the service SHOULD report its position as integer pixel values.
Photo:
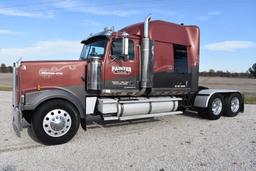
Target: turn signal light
(38, 87)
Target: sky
(53, 29)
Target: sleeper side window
(180, 59)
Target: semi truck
(149, 69)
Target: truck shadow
(31, 134)
(192, 114)
(96, 122)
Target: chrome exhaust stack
(147, 61)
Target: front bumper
(16, 105)
(17, 120)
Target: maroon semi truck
(144, 70)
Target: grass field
(250, 100)
(245, 85)
(2, 88)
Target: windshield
(96, 47)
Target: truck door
(122, 75)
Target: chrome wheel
(235, 104)
(57, 123)
(216, 106)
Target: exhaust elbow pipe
(146, 23)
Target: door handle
(82, 78)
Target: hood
(51, 74)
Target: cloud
(163, 12)
(208, 16)
(8, 32)
(229, 46)
(82, 6)
(44, 50)
(212, 13)
(91, 23)
(203, 18)
(20, 13)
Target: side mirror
(125, 45)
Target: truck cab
(132, 60)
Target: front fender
(35, 98)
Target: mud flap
(17, 121)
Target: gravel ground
(180, 142)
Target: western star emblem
(49, 72)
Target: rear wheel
(215, 108)
(55, 122)
(233, 104)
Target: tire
(233, 104)
(202, 113)
(27, 116)
(214, 109)
(55, 122)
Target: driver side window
(116, 49)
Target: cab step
(124, 118)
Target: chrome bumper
(16, 112)
(17, 120)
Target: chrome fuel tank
(147, 106)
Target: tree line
(5, 69)
(250, 73)
(211, 73)
(219, 73)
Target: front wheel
(55, 122)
